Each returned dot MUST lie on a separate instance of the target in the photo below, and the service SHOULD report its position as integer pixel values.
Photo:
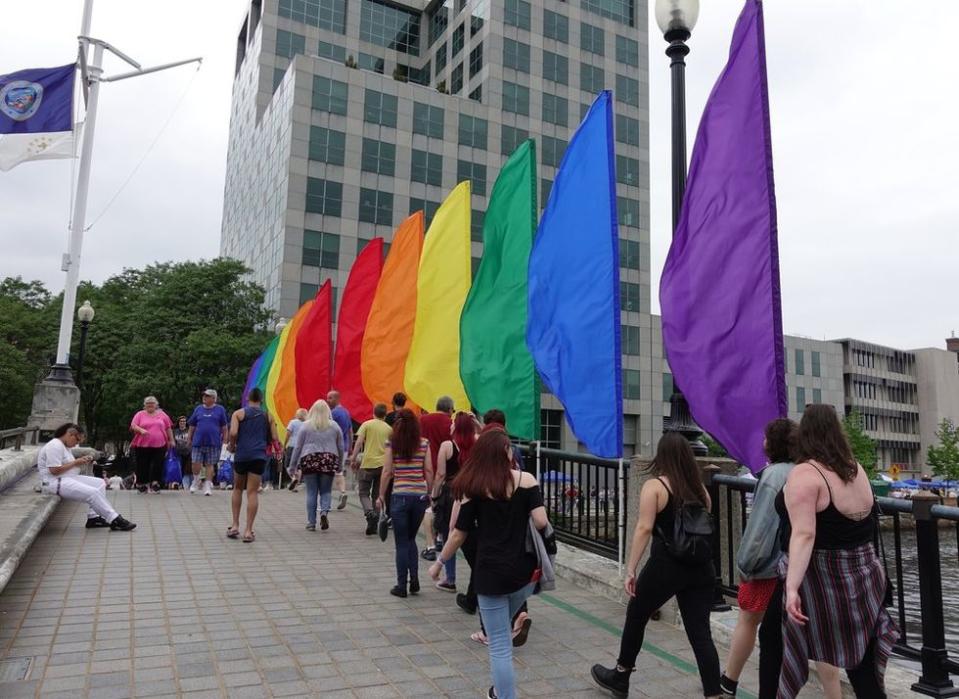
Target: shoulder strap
(665, 486)
(813, 464)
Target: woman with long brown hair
(833, 570)
(496, 504)
(675, 491)
(408, 466)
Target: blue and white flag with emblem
(36, 115)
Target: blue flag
(37, 100)
(574, 319)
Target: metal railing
(922, 635)
(585, 497)
(19, 437)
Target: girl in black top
(496, 504)
(677, 480)
(451, 455)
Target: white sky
(864, 111)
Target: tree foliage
(863, 446)
(169, 330)
(715, 448)
(943, 457)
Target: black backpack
(690, 540)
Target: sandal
(232, 533)
(250, 538)
(479, 637)
(520, 636)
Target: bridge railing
(19, 436)
(915, 573)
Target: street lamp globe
(85, 313)
(280, 325)
(673, 15)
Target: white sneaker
(194, 486)
(208, 488)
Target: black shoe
(612, 680)
(371, 518)
(491, 693)
(96, 523)
(728, 687)
(398, 591)
(415, 586)
(429, 553)
(324, 522)
(292, 485)
(142, 488)
(462, 601)
(121, 525)
(155, 487)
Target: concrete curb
(19, 541)
(14, 464)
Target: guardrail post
(934, 681)
(719, 601)
(538, 467)
(621, 515)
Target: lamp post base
(56, 400)
(680, 420)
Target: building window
(427, 168)
(816, 364)
(376, 207)
(555, 110)
(817, 395)
(440, 58)
(800, 399)
(476, 21)
(308, 292)
(321, 249)
(379, 108)
(668, 386)
(477, 94)
(631, 384)
(472, 131)
(591, 79)
(389, 26)
(545, 187)
(627, 170)
(553, 149)
(619, 10)
(327, 145)
(459, 40)
(627, 51)
(278, 74)
(518, 14)
(627, 130)
(627, 90)
(515, 98)
(630, 339)
(474, 266)
(628, 212)
(551, 428)
(324, 197)
(329, 95)
(429, 208)
(476, 225)
(438, 21)
(628, 253)
(374, 64)
(456, 80)
(331, 51)
(516, 55)
(555, 26)
(420, 76)
(325, 14)
(476, 60)
(289, 44)
(592, 39)
(629, 296)
(428, 120)
(511, 138)
(475, 173)
(555, 67)
(378, 157)
(800, 363)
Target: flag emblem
(20, 99)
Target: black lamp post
(676, 19)
(85, 313)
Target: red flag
(314, 349)
(351, 326)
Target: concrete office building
(813, 374)
(938, 382)
(348, 115)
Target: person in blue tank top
(252, 430)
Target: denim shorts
(207, 456)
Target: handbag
(224, 473)
(172, 469)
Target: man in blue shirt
(208, 430)
(341, 416)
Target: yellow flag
(273, 379)
(433, 362)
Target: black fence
(922, 531)
(585, 497)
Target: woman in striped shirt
(407, 464)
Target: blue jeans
(407, 512)
(450, 565)
(497, 612)
(322, 484)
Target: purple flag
(719, 293)
(251, 379)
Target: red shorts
(754, 595)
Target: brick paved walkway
(175, 609)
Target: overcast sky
(865, 146)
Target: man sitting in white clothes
(60, 475)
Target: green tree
(863, 446)
(715, 448)
(944, 457)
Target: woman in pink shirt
(153, 432)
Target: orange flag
(389, 328)
(284, 395)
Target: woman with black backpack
(674, 513)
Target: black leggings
(150, 465)
(659, 581)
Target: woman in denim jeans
(318, 452)
(407, 464)
(496, 504)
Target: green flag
(495, 365)
(268, 354)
